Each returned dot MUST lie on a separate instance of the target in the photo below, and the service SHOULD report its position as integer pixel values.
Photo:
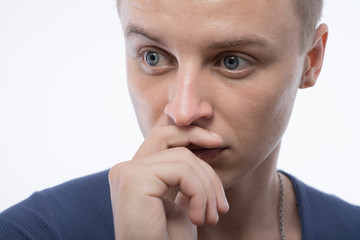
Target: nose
(188, 100)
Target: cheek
(263, 114)
(277, 108)
(148, 99)
(281, 101)
(142, 110)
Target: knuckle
(184, 166)
(155, 131)
(203, 194)
(123, 172)
(114, 171)
(217, 180)
(183, 152)
(129, 171)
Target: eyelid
(235, 74)
(247, 58)
(145, 49)
(154, 70)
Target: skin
(190, 100)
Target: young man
(213, 85)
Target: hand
(165, 190)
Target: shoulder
(325, 216)
(80, 208)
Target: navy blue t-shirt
(81, 209)
(78, 209)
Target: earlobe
(314, 57)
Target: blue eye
(152, 58)
(231, 62)
(234, 66)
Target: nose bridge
(186, 103)
(185, 93)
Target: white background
(65, 110)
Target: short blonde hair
(309, 13)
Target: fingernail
(226, 203)
(215, 135)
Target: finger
(178, 222)
(202, 170)
(221, 200)
(152, 181)
(165, 137)
(168, 166)
(181, 174)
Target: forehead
(207, 7)
(192, 20)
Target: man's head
(230, 66)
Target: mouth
(209, 155)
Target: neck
(254, 206)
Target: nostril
(179, 117)
(182, 120)
(187, 115)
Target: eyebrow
(250, 40)
(132, 29)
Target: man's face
(230, 66)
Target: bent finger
(165, 137)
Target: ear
(314, 57)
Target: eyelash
(152, 70)
(235, 74)
(219, 64)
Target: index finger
(165, 137)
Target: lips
(206, 154)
